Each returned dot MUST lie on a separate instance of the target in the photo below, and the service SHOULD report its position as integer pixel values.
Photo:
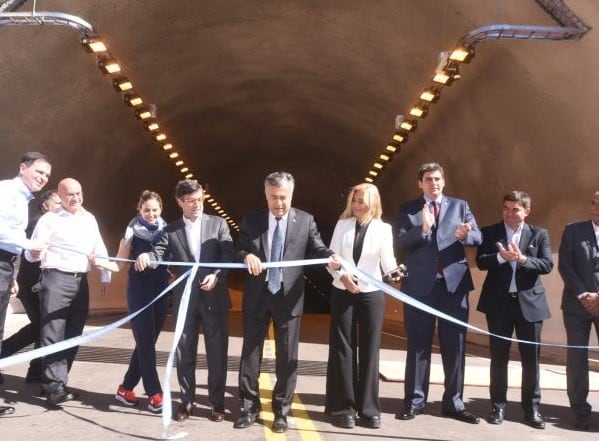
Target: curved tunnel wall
(247, 87)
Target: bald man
(64, 294)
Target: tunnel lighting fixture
(400, 137)
(160, 137)
(221, 211)
(372, 173)
(418, 112)
(409, 125)
(391, 148)
(173, 155)
(93, 44)
(462, 54)
(143, 113)
(368, 179)
(384, 157)
(443, 77)
(378, 165)
(108, 65)
(151, 126)
(169, 146)
(133, 99)
(189, 176)
(122, 84)
(210, 200)
(184, 169)
(430, 95)
(179, 163)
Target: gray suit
(208, 309)
(579, 267)
(302, 241)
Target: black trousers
(255, 327)
(504, 323)
(355, 340)
(65, 305)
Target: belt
(7, 256)
(66, 273)
(513, 295)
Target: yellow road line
(304, 425)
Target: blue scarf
(147, 231)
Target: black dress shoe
(345, 421)
(496, 416)
(408, 413)
(535, 420)
(217, 415)
(373, 422)
(183, 412)
(280, 425)
(246, 419)
(56, 398)
(6, 410)
(582, 421)
(462, 415)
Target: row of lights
(446, 73)
(144, 112)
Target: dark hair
(187, 186)
(277, 179)
(30, 157)
(429, 167)
(519, 196)
(146, 195)
(45, 197)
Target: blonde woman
(357, 310)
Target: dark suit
(208, 309)
(579, 267)
(439, 276)
(302, 241)
(522, 310)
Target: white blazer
(377, 251)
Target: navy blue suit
(439, 276)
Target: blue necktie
(276, 252)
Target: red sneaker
(155, 404)
(126, 396)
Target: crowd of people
(45, 261)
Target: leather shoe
(582, 421)
(462, 415)
(280, 425)
(345, 421)
(183, 412)
(409, 413)
(217, 415)
(373, 422)
(246, 419)
(6, 410)
(56, 398)
(535, 420)
(496, 416)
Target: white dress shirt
(194, 236)
(78, 231)
(14, 215)
(512, 237)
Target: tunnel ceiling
(246, 87)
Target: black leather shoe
(6, 410)
(496, 416)
(462, 415)
(408, 413)
(345, 421)
(280, 425)
(581, 422)
(535, 420)
(246, 419)
(60, 397)
(183, 412)
(373, 422)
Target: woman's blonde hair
(372, 199)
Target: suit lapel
(291, 228)
(205, 226)
(264, 235)
(525, 238)
(182, 237)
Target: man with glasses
(198, 237)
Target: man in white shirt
(64, 295)
(15, 195)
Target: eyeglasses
(193, 200)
